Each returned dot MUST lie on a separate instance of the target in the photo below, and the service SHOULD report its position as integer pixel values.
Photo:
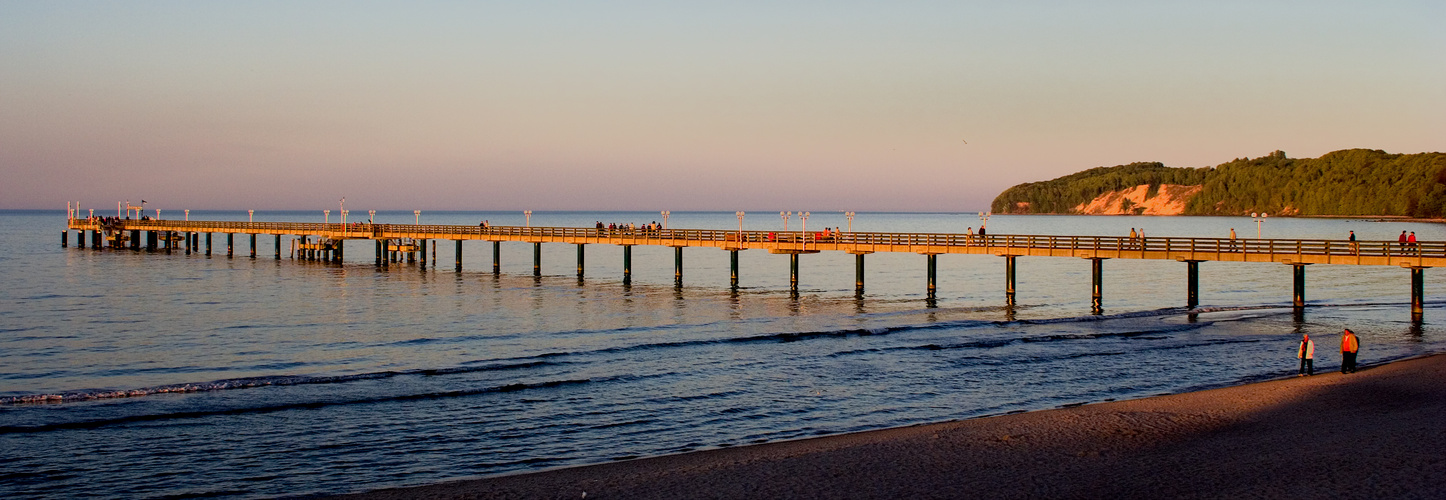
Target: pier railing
(1427, 254)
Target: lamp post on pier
(850, 217)
(250, 216)
(326, 216)
(666, 213)
(528, 215)
(158, 214)
(740, 221)
(418, 220)
(803, 228)
(188, 214)
(92, 214)
(1258, 219)
(785, 216)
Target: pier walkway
(394, 241)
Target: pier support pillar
(497, 257)
(379, 252)
(1418, 293)
(580, 259)
(278, 247)
(136, 240)
(253, 245)
(95, 239)
(190, 238)
(793, 273)
(678, 266)
(65, 238)
(151, 237)
(459, 256)
(859, 274)
(933, 273)
(733, 268)
(627, 264)
(1097, 278)
(1192, 283)
(340, 251)
(208, 244)
(1298, 298)
(1009, 280)
(230, 245)
(537, 259)
(422, 259)
(170, 242)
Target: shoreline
(1376, 433)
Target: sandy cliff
(1170, 200)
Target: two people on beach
(1350, 346)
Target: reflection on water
(292, 377)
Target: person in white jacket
(1306, 353)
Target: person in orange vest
(1350, 345)
(1306, 353)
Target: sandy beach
(1379, 433)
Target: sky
(737, 105)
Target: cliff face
(1170, 200)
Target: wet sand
(1378, 433)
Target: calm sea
(257, 378)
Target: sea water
(143, 375)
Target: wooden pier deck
(411, 238)
(1284, 251)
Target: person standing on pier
(1350, 345)
(1232, 239)
(1401, 241)
(1355, 248)
(1306, 353)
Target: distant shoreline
(1372, 434)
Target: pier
(410, 242)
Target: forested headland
(1346, 182)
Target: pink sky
(752, 106)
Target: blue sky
(684, 105)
